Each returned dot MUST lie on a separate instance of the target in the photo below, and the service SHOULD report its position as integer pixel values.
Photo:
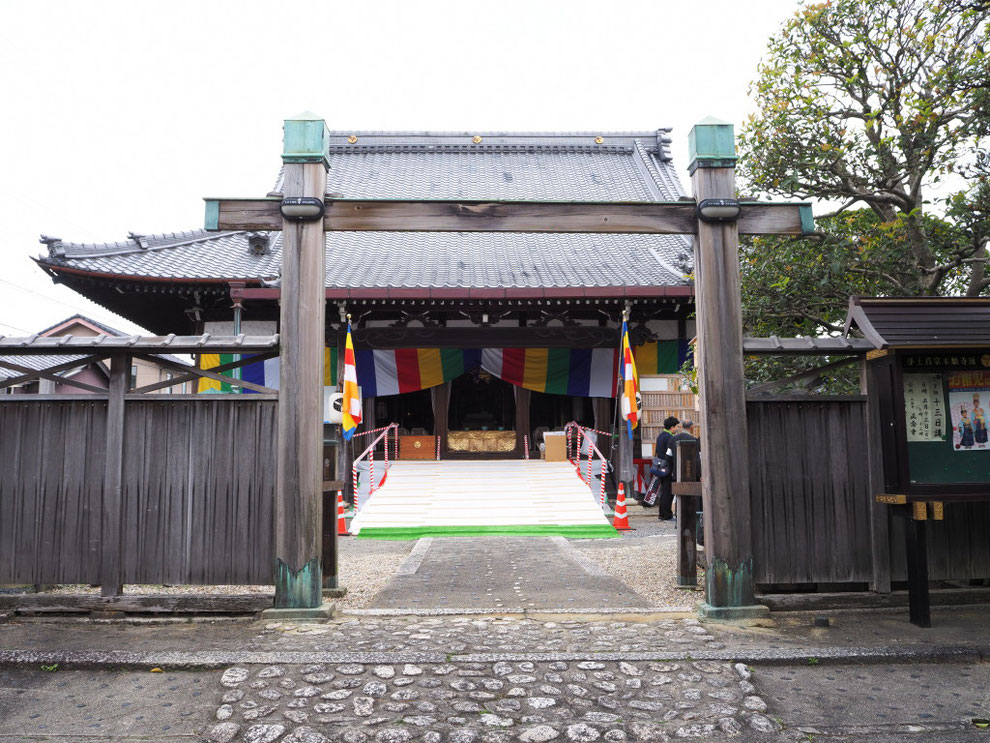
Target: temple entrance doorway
(413, 411)
(481, 416)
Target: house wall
(89, 375)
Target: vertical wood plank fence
(812, 505)
(197, 495)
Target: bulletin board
(946, 398)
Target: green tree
(875, 106)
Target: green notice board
(947, 415)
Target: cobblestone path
(486, 635)
(479, 690)
(503, 572)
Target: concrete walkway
(503, 573)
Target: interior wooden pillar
(523, 397)
(441, 406)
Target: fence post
(111, 513)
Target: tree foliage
(874, 104)
(881, 108)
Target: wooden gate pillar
(725, 485)
(298, 494)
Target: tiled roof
(419, 259)
(892, 322)
(383, 165)
(37, 363)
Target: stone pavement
(496, 679)
(502, 572)
(94, 705)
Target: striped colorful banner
(630, 389)
(352, 394)
(664, 357)
(581, 372)
(393, 372)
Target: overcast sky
(121, 116)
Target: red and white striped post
(355, 491)
(438, 448)
(526, 445)
(567, 430)
(371, 472)
(577, 455)
(601, 495)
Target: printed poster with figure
(969, 397)
(924, 408)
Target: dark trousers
(666, 499)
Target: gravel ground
(649, 567)
(366, 565)
(645, 559)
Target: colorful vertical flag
(630, 383)
(352, 397)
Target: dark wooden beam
(646, 217)
(49, 373)
(478, 337)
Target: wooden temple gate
(117, 513)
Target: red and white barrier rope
(592, 450)
(370, 453)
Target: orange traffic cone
(621, 522)
(341, 524)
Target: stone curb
(191, 661)
(615, 610)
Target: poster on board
(969, 398)
(924, 407)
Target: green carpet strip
(574, 531)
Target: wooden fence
(814, 517)
(197, 493)
(197, 489)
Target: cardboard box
(556, 446)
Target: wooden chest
(417, 447)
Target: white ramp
(481, 497)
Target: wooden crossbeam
(187, 374)
(50, 374)
(648, 217)
(32, 374)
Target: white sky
(120, 116)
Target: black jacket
(665, 442)
(685, 436)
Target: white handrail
(370, 453)
(591, 448)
